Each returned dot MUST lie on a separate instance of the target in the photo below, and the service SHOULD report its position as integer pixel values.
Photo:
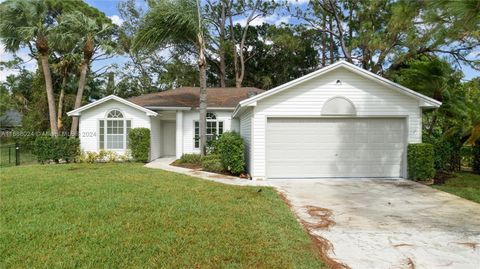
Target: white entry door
(335, 147)
(168, 138)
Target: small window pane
(115, 114)
(211, 116)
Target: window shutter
(101, 134)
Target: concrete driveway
(375, 223)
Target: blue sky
(109, 7)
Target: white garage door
(313, 147)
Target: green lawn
(125, 215)
(465, 184)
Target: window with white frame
(113, 131)
(214, 129)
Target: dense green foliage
(229, 147)
(457, 122)
(128, 216)
(463, 184)
(420, 161)
(212, 163)
(49, 148)
(191, 158)
(476, 157)
(139, 143)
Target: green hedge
(212, 163)
(420, 161)
(229, 147)
(49, 148)
(191, 158)
(476, 157)
(139, 143)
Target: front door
(168, 138)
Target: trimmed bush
(48, 148)
(191, 158)
(230, 148)
(139, 143)
(103, 156)
(476, 157)
(212, 163)
(420, 161)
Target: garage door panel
(315, 147)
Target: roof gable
(426, 101)
(78, 111)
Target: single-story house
(339, 121)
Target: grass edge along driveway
(464, 184)
(125, 215)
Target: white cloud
(116, 20)
(274, 19)
(298, 2)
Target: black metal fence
(13, 154)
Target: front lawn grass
(125, 215)
(464, 184)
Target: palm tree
(90, 35)
(28, 23)
(177, 22)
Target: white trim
(168, 108)
(219, 108)
(178, 134)
(428, 102)
(77, 112)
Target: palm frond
(168, 22)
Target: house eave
(77, 112)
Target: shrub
(230, 148)
(447, 151)
(191, 158)
(420, 161)
(212, 163)
(48, 148)
(103, 156)
(476, 157)
(139, 143)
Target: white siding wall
(370, 99)
(89, 122)
(246, 134)
(189, 118)
(156, 139)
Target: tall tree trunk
(203, 95)
(50, 98)
(78, 98)
(222, 46)
(60, 103)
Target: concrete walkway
(164, 164)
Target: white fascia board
(168, 107)
(78, 111)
